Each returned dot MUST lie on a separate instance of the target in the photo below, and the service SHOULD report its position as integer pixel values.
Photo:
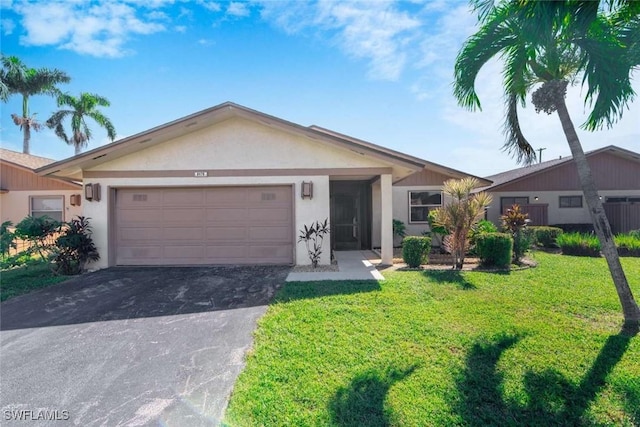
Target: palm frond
(515, 142)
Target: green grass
(24, 279)
(532, 347)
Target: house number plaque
(200, 173)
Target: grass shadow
(552, 399)
(449, 276)
(362, 401)
(292, 291)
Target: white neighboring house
(23, 192)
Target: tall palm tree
(81, 108)
(546, 46)
(17, 78)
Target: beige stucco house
(23, 192)
(231, 185)
(551, 193)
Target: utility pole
(540, 154)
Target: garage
(208, 225)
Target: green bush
(635, 233)
(7, 239)
(39, 232)
(628, 244)
(495, 249)
(579, 244)
(75, 247)
(546, 236)
(415, 250)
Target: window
(570, 201)
(51, 206)
(420, 202)
(622, 199)
(507, 202)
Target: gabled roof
(28, 161)
(518, 174)
(73, 166)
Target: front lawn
(533, 347)
(26, 278)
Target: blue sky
(378, 71)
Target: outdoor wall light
(536, 198)
(92, 192)
(75, 200)
(307, 190)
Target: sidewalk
(352, 265)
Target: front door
(350, 215)
(346, 224)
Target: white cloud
(210, 5)
(206, 42)
(7, 26)
(94, 29)
(180, 28)
(238, 9)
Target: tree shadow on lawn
(292, 291)
(450, 276)
(552, 399)
(362, 402)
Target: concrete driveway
(131, 346)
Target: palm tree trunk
(78, 149)
(26, 131)
(599, 218)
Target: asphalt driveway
(131, 346)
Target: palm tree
(81, 108)
(17, 78)
(460, 214)
(547, 46)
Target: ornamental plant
(313, 237)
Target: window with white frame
(51, 206)
(570, 201)
(420, 203)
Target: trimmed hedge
(415, 250)
(546, 236)
(495, 249)
(579, 244)
(628, 244)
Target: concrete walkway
(352, 265)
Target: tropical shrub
(313, 237)
(546, 236)
(635, 233)
(39, 232)
(18, 260)
(515, 223)
(7, 239)
(458, 216)
(74, 247)
(495, 249)
(628, 244)
(436, 231)
(579, 244)
(415, 250)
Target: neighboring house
(23, 192)
(551, 193)
(231, 185)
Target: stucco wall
(556, 214)
(305, 211)
(239, 144)
(14, 205)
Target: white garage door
(194, 226)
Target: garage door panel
(274, 234)
(128, 234)
(226, 234)
(226, 225)
(143, 216)
(183, 215)
(183, 197)
(226, 197)
(237, 253)
(279, 215)
(227, 215)
(172, 234)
